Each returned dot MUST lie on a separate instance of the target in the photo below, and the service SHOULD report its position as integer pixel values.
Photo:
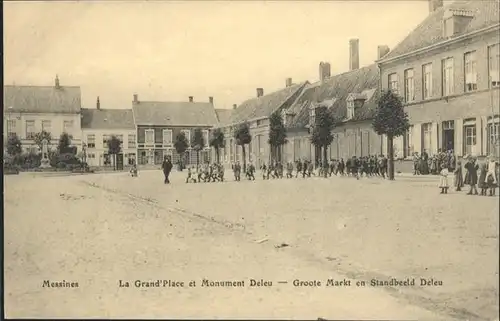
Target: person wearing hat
(459, 179)
(471, 175)
(443, 179)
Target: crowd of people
(424, 164)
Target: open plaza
(336, 248)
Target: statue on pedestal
(45, 161)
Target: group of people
(483, 175)
(424, 164)
(205, 173)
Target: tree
(277, 134)
(321, 135)
(64, 143)
(217, 141)
(14, 146)
(390, 120)
(39, 137)
(114, 148)
(181, 145)
(198, 143)
(243, 137)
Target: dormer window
(350, 109)
(283, 116)
(455, 21)
(354, 101)
(312, 115)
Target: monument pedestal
(45, 162)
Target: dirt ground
(99, 229)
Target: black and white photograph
(265, 160)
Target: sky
(169, 50)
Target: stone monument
(45, 161)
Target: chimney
(98, 103)
(260, 92)
(353, 54)
(136, 98)
(324, 71)
(57, 82)
(191, 99)
(382, 50)
(234, 106)
(434, 5)
(211, 100)
(288, 82)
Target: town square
(208, 173)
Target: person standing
(167, 168)
(458, 180)
(443, 179)
(471, 175)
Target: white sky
(172, 50)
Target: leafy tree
(390, 120)
(39, 137)
(14, 146)
(64, 143)
(217, 141)
(321, 135)
(181, 145)
(198, 143)
(277, 134)
(243, 137)
(114, 148)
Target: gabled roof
(430, 31)
(223, 116)
(42, 99)
(333, 93)
(107, 119)
(265, 105)
(174, 113)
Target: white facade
(97, 149)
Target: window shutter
(416, 138)
(459, 127)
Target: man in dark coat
(167, 167)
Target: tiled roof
(224, 116)
(107, 119)
(430, 31)
(174, 113)
(334, 92)
(42, 99)
(265, 105)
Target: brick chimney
(288, 82)
(211, 100)
(382, 50)
(136, 98)
(324, 71)
(353, 54)
(234, 106)
(98, 103)
(57, 82)
(260, 92)
(191, 99)
(434, 5)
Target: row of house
(446, 70)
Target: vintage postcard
(318, 160)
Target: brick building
(447, 71)
(99, 125)
(158, 124)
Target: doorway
(448, 136)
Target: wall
(95, 156)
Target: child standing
(482, 182)
(443, 179)
(459, 180)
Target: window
(408, 138)
(409, 85)
(150, 136)
(131, 141)
(470, 136)
(447, 76)
(105, 139)
(11, 126)
(30, 129)
(426, 137)
(187, 132)
(427, 81)
(393, 83)
(350, 109)
(493, 131)
(312, 116)
(494, 65)
(259, 122)
(120, 138)
(91, 155)
(46, 126)
(167, 137)
(90, 141)
(205, 138)
(68, 126)
(470, 71)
